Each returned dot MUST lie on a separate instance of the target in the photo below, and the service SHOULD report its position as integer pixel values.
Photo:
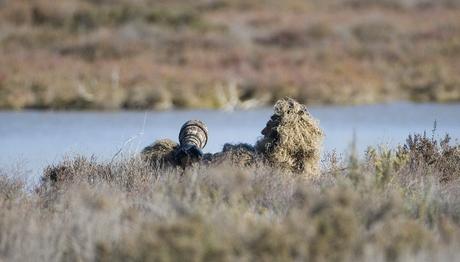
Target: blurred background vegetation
(150, 54)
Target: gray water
(32, 140)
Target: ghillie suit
(161, 153)
(291, 139)
(241, 155)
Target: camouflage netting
(161, 153)
(292, 138)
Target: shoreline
(225, 109)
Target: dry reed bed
(79, 54)
(401, 204)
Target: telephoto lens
(193, 137)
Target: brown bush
(440, 155)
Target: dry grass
(79, 54)
(385, 207)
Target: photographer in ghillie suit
(193, 137)
(291, 141)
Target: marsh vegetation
(391, 205)
(78, 54)
(279, 199)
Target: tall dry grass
(392, 205)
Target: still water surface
(33, 140)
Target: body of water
(31, 140)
